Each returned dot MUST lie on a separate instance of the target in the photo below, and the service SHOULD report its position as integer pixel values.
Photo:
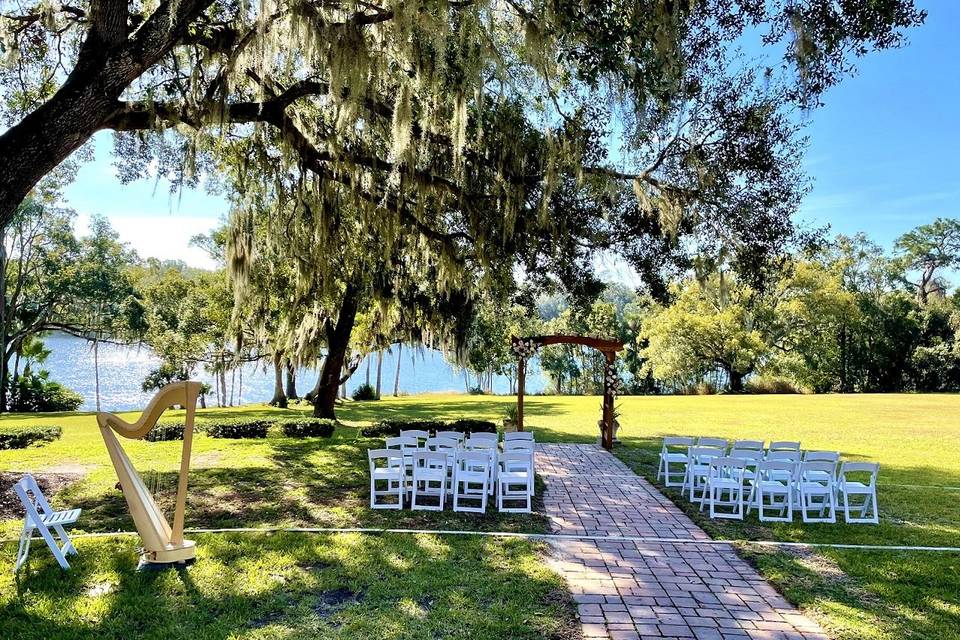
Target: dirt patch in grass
(331, 601)
(50, 485)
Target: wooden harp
(163, 545)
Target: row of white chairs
(780, 478)
(416, 465)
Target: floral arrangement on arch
(525, 348)
(611, 381)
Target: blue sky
(882, 155)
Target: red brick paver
(651, 589)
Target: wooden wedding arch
(524, 348)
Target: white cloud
(163, 237)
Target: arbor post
(609, 388)
(521, 383)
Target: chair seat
(471, 476)
(725, 483)
(857, 487)
(675, 457)
(57, 517)
(430, 474)
(815, 488)
(772, 486)
(388, 474)
(514, 476)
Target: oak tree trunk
(279, 399)
(338, 339)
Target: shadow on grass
(312, 483)
(298, 585)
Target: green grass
(294, 586)
(855, 594)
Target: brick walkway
(629, 590)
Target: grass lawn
(280, 481)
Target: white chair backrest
(860, 467)
(518, 445)
(419, 434)
(29, 492)
(727, 467)
(441, 443)
(747, 454)
(480, 443)
(514, 461)
(712, 442)
(703, 455)
(403, 443)
(482, 435)
(430, 459)
(455, 435)
(821, 456)
(385, 458)
(518, 435)
(473, 461)
(677, 441)
(753, 445)
(784, 445)
(767, 468)
(814, 471)
(791, 456)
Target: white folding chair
(471, 480)
(41, 517)
(783, 445)
(408, 445)
(698, 470)
(429, 479)
(386, 466)
(454, 435)
(488, 446)
(483, 435)
(419, 434)
(846, 488)
(725, 476)
(816, 485)
(515, 481)
(526, 447)
(821, 456)
(518, 435)
(752, 459)
(717, 443)
(775, 479)
(669, 455)
(448, 446)
(748, 445)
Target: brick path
(629, 590)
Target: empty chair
(40, 516)
(408, 445)
(821, 456)
(526, 447)
(698, 470)
(719, 443)
(419, 434)
(429, 479)
(471, 480)
(783, 445)
(515, 482)
(448, 446)
(751, 445)
(489, 447)
(482, 435)
(868, 512)
(674, 451)
(751, 459)
(456, 435)
(817, 489)
(725, 488)
(518, 435)
(775, 480)
(386, 467)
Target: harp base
(182, 555)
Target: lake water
(122, 370)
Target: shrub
(308, 427)
(237, 428)
(364, 392)
(21, 438)
(390, 428)
(33, 393)
(470, 425)
(764, 384)
(476, 391)
(165, 431)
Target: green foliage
(767, 384)
(364, 392)
(308, 427)
(165, 431)
(476, 391)
(23, 437)
(236, 428)
(33, 392)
